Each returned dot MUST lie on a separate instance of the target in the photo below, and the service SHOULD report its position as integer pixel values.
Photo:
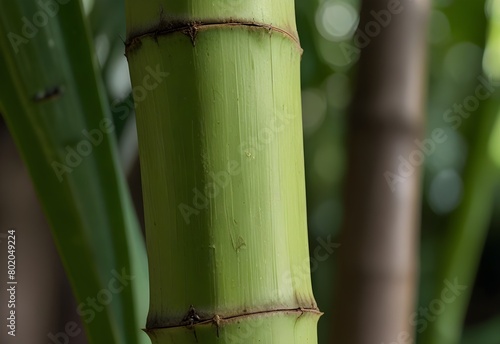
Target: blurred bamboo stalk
(377, 276)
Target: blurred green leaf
(462, 243)
(55, 107)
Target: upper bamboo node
(191, 29)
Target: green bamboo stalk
(221, 153)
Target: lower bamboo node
(193, 319)
(291, 325)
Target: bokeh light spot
(445, 191)
(336, 20)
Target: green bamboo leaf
(54, 105)
(469, 224)
(465, 236)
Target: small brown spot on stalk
(192, 32)
(50, 93)
(216, 321)
(190, 319)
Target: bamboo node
(191, 29)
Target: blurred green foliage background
(464, 43)
(459, 32)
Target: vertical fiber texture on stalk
(221, 151)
